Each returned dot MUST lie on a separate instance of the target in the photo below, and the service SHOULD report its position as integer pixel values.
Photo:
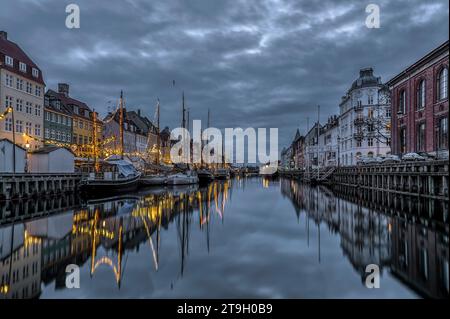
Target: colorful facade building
(298, 146)
(22, 92)
(82, 122)
(58, 121)
(419, 97)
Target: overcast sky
(258, 63)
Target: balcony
(359, 108)
(358, 136)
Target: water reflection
(409, 238)
(101, 232)
(111, 239)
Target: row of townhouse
(34, 118)
(407, 114)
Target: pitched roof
(64, 109)
(48, 149)
(67, 101)
(12, 50)
(7, 140)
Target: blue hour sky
(254, 63)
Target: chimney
(63, 88)
(3, 35)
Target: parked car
(413, 157)
(390, 159)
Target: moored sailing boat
(155, 179)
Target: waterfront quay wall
(421, 178)
(27, 185)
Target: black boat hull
(95, 189)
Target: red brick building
(419, 104)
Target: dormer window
(22, 67)
(35, 72)
(9, 61)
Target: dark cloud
(262, 63)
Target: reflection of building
(415, 254)
(420, 104)
(101, 235)
(20, 263)
(420, 258)
(21, 88)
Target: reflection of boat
(177, 190)
(222, 173)
(189, 177)
(268, 171)
(121, 177)
(205, 176)
(156, 179)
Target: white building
(6, 157)
(22, 89)
(51, 159)
(364, 119)
(328, 143)
(311, 144)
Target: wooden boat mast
(121, 124)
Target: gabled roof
(7, 140)
(68, 102)
(48, 149)
(12, 50)
(55, 95)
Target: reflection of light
(4, 289)
(389, 227)
(30, 240)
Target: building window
(370, 99)
(19, 84)
(28, 129)
(370, 154)
(58, 135)
(19, 126)
(9, 61)
(22, 67)
(402, 102)
(47, 133)
(8, 124)
(370, 113)
(442, 84)
(35, 72)
(421, 137)
(37, 110)
(443, 134)
(52, 134)
(8, 102)
(421, 95)
(403, 140)
(9, 80)
(370, 142)
(75, 138)
(28, 107)
(19, 105)
(37, 90)
(37, 129)
(388, 112)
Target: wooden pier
(420, 178)
(25, 185)
(427, 179)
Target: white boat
(155, 179)
(268, 171)
(187, 178)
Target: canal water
(247, 237)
